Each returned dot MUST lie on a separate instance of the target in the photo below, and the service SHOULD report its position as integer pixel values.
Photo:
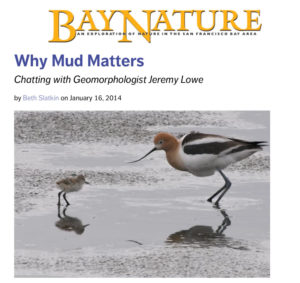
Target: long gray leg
(64, 195)
(227, 186)
(59, 197)
(224, 189)
(216, 193)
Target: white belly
(200, 165)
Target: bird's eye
(161, 141)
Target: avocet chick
(69, 185)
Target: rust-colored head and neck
(171, 145)
(165, 142)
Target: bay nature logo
(153, 21)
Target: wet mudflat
(136, 220)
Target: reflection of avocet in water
(68, 223)
(68, 185)
(206, 236)
(204, 154)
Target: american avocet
(203, 154)
(69, 185)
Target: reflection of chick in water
(68, 223)
(202, 234)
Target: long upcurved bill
(153, 149)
